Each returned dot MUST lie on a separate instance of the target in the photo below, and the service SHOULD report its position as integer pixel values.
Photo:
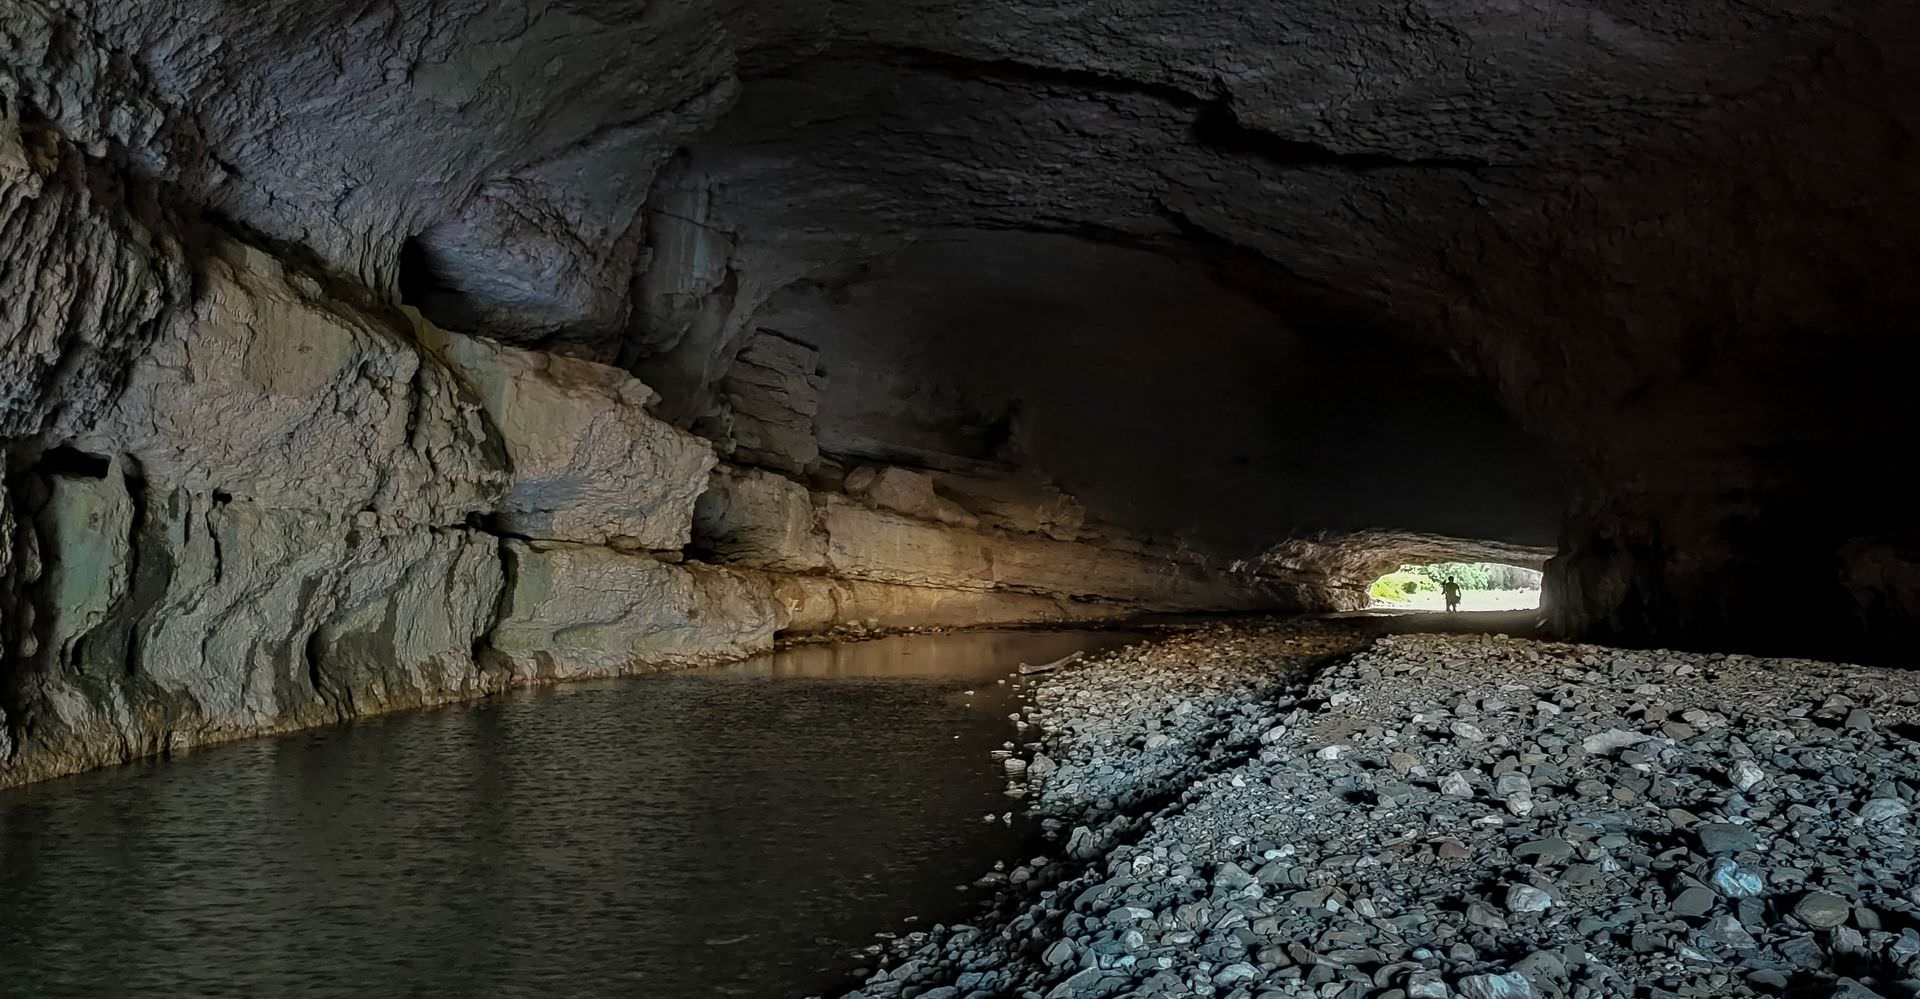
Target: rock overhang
(1669, 239)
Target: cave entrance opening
(1484, 586)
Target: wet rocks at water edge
(1439, 817)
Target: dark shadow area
(73, 463)
(421, 286)
(1169, 403)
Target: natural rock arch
(1015, 312)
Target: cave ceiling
(1207, 244)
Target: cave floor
(1386, 620)
(1247, 810)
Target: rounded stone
(1822, 910)
(1526, 899)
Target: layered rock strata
(241, 499)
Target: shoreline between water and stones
(1258, 810)
(849, 633)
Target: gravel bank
(1470, 816)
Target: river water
(734, 831)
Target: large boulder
(907, 492)
(587, 462)
(753, 517)
(575, 611)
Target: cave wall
(274, 501)
(1731, 451)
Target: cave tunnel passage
(1173, 405)
(966, 275)
(1676, 243)
(1205, 325)
(361, 357)
(1482, 586)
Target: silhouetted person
(1451, 590)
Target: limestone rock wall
(579, 611)
(879, 545)
(758, 518)
(170, 619)
(16, 614)
(241, 498)
(88, 273)
(1755, 564)
(585, 460)
(295, 512)
(267, 390)
(1011, 504)
(772, 393)
(891, 535)
(820, 605)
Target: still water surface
(719, 832)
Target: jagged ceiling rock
(504, 138)
(1346, 564)
(515, 144)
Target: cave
(365, 357)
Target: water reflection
(731, 831)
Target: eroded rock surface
(585, 460)
(761, 519)
(772, 392)
(296, 505)
(169, 618)
(579, 611)
(907, 492)
(268, 391)
(89, 273)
